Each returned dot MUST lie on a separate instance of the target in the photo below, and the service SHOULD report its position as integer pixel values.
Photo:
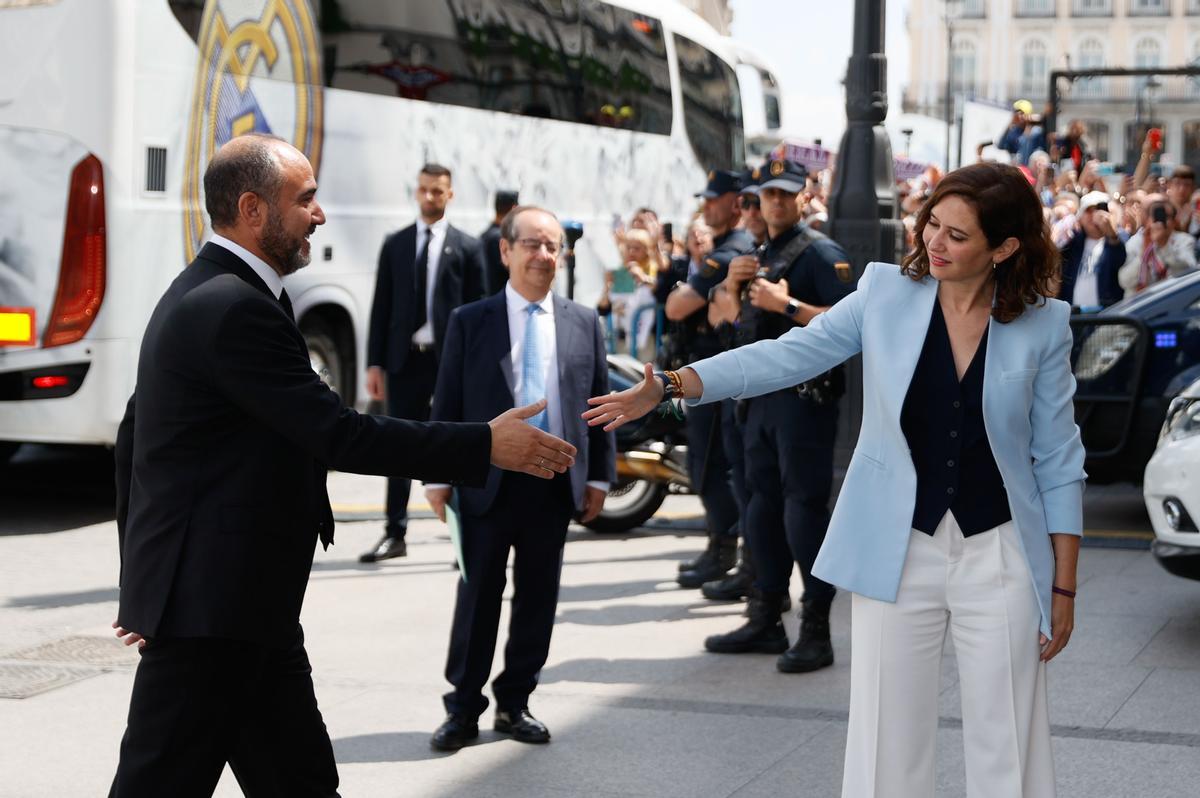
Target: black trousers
(529, 516)
(732, 435)
(409, 394)
(789, 475)
(708, 468)
(199, 703)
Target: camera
(1159, 214)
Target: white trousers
(978, 587)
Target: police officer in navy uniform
(789, 434)
(737, 585)
(687, 307)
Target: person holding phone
(1157, 251)
(1092, 256)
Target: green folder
(452, 523)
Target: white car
(1172, 486)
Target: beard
(285, 249)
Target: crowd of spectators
(1118, 233)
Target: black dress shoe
(523, 726)
(386, 549)
(455, 732)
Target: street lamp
(951, 11)
(907, 133)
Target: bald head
(249, 163)
(260, 193)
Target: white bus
(110, 110)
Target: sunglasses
(748, 202)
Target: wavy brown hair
(1006, 207)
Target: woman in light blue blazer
(961, 510)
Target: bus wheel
(324, 354)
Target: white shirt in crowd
(424, 335)
(1087, 287)
(1179, 256)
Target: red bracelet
(1062, 591)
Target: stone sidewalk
(636, 707)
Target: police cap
(789, 176)
(721, 182)
(750, 180)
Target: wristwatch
(793, 307)
(671, 382)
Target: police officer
(737, 585)
(687, 306)
(789, 434)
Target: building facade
(1003, 50)
(715, 12)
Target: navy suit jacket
(1111, 260)
(460, 279)
(475, 383)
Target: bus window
(771, 100)
(587, 62)
(189, 13)
(712, 106)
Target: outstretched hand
(518, 446)
(618, 408)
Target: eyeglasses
(535, 244)
(748, 202)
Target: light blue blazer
(1027, 412)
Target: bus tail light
(81, 275)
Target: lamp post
(950, 11)
(907, 133)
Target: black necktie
(286, 301)
(422, 269)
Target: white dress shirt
(518, 319)
(260, 267)
(1087, 284)
(424, 335)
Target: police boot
(762, 633)
(722, 555)
(813, 650)
(703, 557)
(734, 587)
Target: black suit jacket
(497, 273)
(460, 279)
(222, 457)
(476, 379)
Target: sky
(808, 43)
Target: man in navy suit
(523, 342)
(425, 271)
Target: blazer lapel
(565, 333)
(500, 345)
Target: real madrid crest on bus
(259, 71)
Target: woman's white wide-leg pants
(980, 589)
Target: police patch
(710, 268)
(712, 176)
(777, 168)
(756, 174)
(844, 272)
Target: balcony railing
(972, 9)
(1091, 8)
(1128, 92)
(1192, 8)
(1035, 8)
(1141, 8)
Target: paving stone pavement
(635, 706)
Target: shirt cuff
(598, 485)
(435, 485)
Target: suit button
(950, 463)
(950, 491)
(957, 404)
(953, 433)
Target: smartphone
(1155, 134)
(668, 232)
(617, 222)
(1159, 214)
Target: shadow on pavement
(48, 601)
(56, 488)
(397, 747)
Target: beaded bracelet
(1062, 591)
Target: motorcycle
(651, 459)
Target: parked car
(1172, 486)
(1130, 361)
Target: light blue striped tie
(533, 378)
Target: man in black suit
(497, 274)
(221, 462)
(425, 271)
(524, 342)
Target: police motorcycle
(651, 458)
